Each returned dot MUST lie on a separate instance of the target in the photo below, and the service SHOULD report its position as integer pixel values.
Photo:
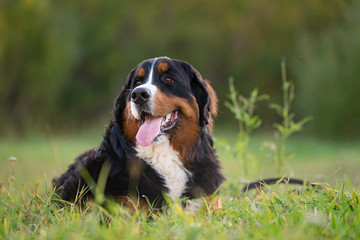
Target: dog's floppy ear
(120, 102)
(205, 96)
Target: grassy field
(279, 213)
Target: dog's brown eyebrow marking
(141, 72)
(162, 67)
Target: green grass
(26, 211)
(275, 214)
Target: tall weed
(288, 126)
(243, 109)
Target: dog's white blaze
(167, 164)
(152, 88)
(149, 83)
(133, 110)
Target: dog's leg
(70, 185)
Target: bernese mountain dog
(158, 143)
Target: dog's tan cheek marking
(130, 124)
(141, 72)
(188, 130)
(162, 67)
(184, 138)
(162, 105)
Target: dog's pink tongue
(148, 131)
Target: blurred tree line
(63, 62)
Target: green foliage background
(63, 62)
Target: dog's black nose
(140, 95)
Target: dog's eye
(138, 83)
(169, 80)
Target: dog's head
(165, 98)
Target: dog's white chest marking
(167, 164)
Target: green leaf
(262, 97)
(305, 120)
(279, 127)
(254, 94)
(277, 108)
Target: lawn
(279, 213)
